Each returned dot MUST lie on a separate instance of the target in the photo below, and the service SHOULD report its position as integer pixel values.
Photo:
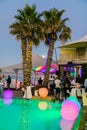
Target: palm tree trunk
(29, 63)
(23, 48)
(48, 64)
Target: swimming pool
(23, 114)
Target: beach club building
(73, 58)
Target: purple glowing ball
(8, 94)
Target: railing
(71, 57)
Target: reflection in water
(7, 101)
(24, 114)
(66, 124)
(42, 105)
(24, 117)
(1, 103)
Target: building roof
(82, 42)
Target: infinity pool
(23, 114)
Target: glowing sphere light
(8, 94)
(70, 108)
(74, 102)
(43, 92)
(69, 111)
(74, 99)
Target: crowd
(61, 87)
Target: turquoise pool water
(22, 114)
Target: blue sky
(10, 48)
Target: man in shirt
(51, 85)
(85, 84)
(57, 87)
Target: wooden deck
(19, 94)
(50, 98)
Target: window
(81, 51)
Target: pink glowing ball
(75, 103)
(69, 111)
(43, 92)
(8, 94)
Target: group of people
(4, 82)
(54, 86)
(62, 87)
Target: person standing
(51, 85)
(3, 80)
(40, 81)
(57, 87)
(8, 81)
(79, 80)
(85, 84)
(67, 84)
(73, 82)
(1, 87)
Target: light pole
(56, 58)
(16, 72)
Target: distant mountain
(36, 61)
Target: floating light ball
(42, 105)
(74, 99)
(69, 111)
(8, 94)
(74, 102)
(70, 108)
(43, 92)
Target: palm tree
(54, 29)
(26, 29)
(17, 29)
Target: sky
(10, 48)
